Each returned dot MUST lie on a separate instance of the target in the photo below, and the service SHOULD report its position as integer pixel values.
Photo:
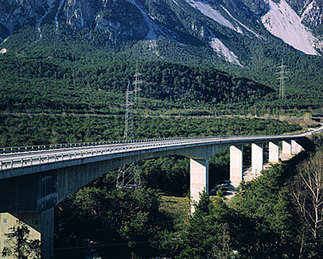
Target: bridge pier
(257, 158)
(286, 147)
(47, 233)
(296, 147)
(273, 152)
(199, 179)
(236, 165)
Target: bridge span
(33, 180)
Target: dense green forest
(69, 72)
(45, 84)
(38, 85)
(19, 130)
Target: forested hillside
(71, 73)
(98, 85)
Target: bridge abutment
(8, 221)
(39, 224)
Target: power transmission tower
(129, 176)
(137, 82)
(281, 77)
(129, 132)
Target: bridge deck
(22, 158)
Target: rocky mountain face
(310, 11)
(109, 17)
(226, 27)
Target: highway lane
(11, 160)
(123, 147)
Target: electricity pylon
(281, 77)
(129, 132)
(137, 82)
(129, 176)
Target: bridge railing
(61, 146)
(8, 150)
(68, 155)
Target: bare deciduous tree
(307, 191)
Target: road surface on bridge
(21, 158)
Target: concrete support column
(236, 165)
(199, 178)
(296, 148)
(257, 158)
(273, 152)
(47, 233)
(286, 148)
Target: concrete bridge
(33, 180)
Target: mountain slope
(98, 85)
(180, 20)
(247, 38)
(283, 22)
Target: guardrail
(69, 155)
(63, 156)
(9, 150)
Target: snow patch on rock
(3, 51)
(206, 9)
(38, 24)
(283, 22)
(244, 26)
(151, 35)
(174, 1)
(307, 10)
(223, 51)
(56, 15)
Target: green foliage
(318, 141)
(19, 245)
(19, 130)
(112, 219)
(260, 222)
(266, 201)
(52, 84)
